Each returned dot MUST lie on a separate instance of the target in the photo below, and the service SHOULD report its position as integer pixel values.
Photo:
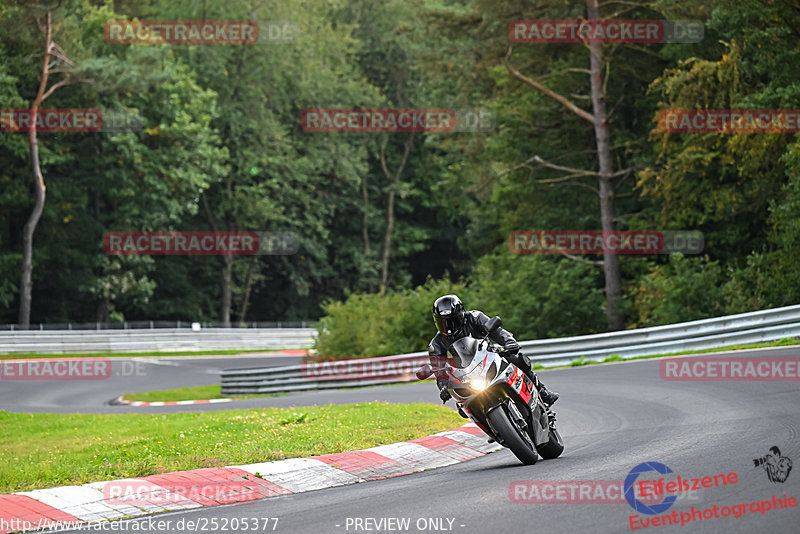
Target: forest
(215, 137)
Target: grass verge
(20, 355)
(190, 393)
(177, 394)
(43, 449)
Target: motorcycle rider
(453, 323)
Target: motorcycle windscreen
(463, 351)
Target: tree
(740, 189)
(51, 50)
(599, 118)
(280, 177)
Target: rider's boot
(548, 395)
(524, 363)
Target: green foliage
(682, 290)
(222, 147)
(771, 277)
(536, 296)
(294, 418)
(539, 296)
(375, 325)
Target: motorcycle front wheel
(514, 438)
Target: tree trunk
(606, 187)
(26, 285)
(248, 285)
(393, 179)
(365, 232)
(387, 238)
(365, 226)
(227, 276)
(103, 308)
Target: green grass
(153, 354)
(190, 393)
(177, 394)
(43, 449)
(783, 342)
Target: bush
(540, 296)
(374, 325)
(536, 296)
(685, 289)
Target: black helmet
(448, 314)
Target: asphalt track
(612, 417)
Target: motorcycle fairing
(521, 384)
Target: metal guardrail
(323, 375)
(752, 327)
(163, 339)
(765, 325)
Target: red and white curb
(129, 498)
(121, 401)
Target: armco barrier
(753, 327)
(765, 325)
(323, 375)
(165, 339)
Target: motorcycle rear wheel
(554, 447)
(522, 448)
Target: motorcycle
(498, 397)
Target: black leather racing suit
(474, 325)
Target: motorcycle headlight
(478, 384)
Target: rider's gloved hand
(511, 347)
(444, 394)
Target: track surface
(130, 375)
(612, 417)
